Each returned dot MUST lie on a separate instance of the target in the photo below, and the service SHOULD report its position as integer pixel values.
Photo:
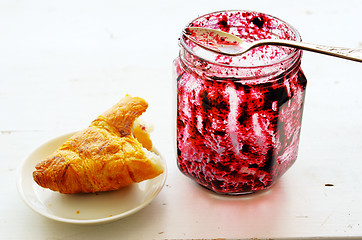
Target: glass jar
(239, 118)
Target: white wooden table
(62, 63)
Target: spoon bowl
(228, 44)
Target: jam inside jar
(239, 118)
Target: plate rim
(20, 188)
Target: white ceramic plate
(93, 208)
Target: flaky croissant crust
(103, 157)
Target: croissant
(103, 157)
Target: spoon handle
(341, 52)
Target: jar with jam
(239, 117)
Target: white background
(62, 63)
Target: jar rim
(294, 53)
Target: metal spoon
(231, 45)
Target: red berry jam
(239, 118)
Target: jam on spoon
(228, 44)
